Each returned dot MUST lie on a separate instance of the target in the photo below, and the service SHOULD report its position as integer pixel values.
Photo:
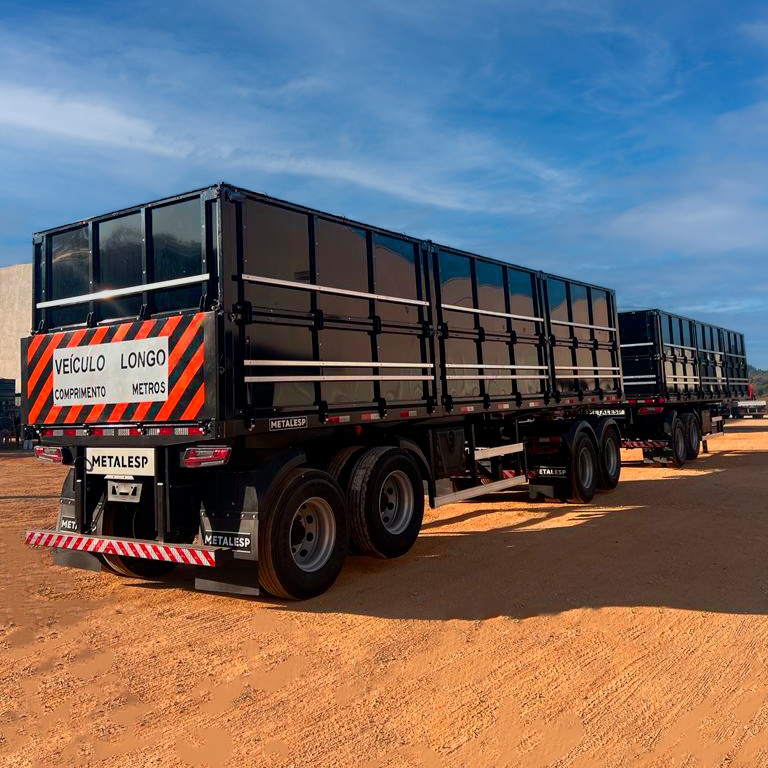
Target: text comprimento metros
(121, 372)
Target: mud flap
(239, 577)
(85, 561)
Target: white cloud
(74, 117)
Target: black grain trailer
(680, 377)
(742, 409)
(248, 386)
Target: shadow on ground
(694, 540)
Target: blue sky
(621, 143)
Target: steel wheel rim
(396, 502)
(312, 534)
(611, 457)
(586, 468)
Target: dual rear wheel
(310, 521)
(595, 462)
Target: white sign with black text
(121, 372)
(120, 461)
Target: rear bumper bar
(183, 554)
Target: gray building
(15, 317)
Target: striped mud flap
(160, 370)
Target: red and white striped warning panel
(143, 371)
(183, 554)
(644, 444)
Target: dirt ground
(629, 632)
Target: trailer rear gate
(313, 316)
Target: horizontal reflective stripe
(638, 344)
(648, 376)
(491, 313)
(582, 325)
(586, 368)
(678, 346)
(328, 289)
(499, 367)
(494, 378)
(334, 364)
(278, 379)
(111, 293)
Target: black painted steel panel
(666, 355)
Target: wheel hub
(313, 533)
(396, 502)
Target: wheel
(584, 468)
(609, 460)
(386, 502)
(132, 521)
(679, 443)
(303, 535)
(692, 435)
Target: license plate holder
(125, 491)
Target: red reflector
(649, 411)
(47, 433)
(195, 431)
(165, 431)
(202, 456)
(661, 399)
(70, 432)
(46, 453)
(531, 474)
(97, 432)
(135, 432)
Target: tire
(609, 460)
(692, 436)
(132, 521)
(679, 440)
(584, 469)
(303, 535)
(386, 503)
(341, 465)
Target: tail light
(48, 453)
(206, 456)
(649, 411)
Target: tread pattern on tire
(676, 461)
(575, 493)
(688, 420)
(358, 491)
(369, 535)
(343, 462)
(608, 486)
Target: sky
(625, 144)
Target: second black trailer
(680, 377)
